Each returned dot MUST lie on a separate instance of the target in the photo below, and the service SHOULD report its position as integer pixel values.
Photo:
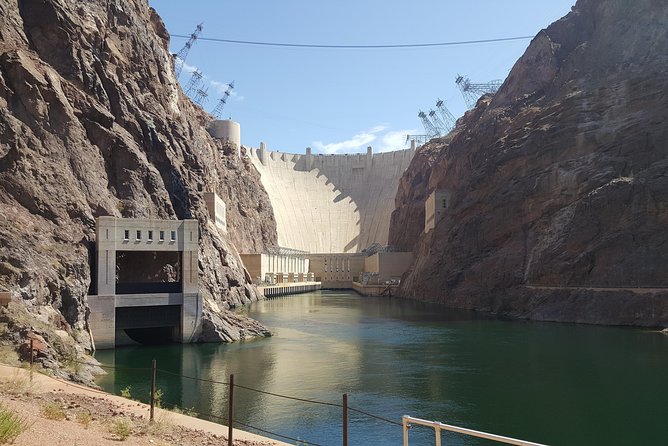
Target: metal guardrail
(406, 421)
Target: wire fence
(230, 420)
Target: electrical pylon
(429, 127)
(221, 103)
(472, 92)
(447, 117)
(194, 81)
(180, 57)
(201, 96)
(442, 127)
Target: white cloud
(188, 68)
(220, 87)
(356, 143)
(385, 142)
(394, 140)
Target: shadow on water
(552, 383)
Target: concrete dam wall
(331, 203)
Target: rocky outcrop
(93, 122)
(558, 183)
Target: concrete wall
(217, 210)
(331, 203)
(258, 265)
(388, 265)
(336, 270)
(434, 208)
(145, 235)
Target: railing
(438, 427)
(153, 371)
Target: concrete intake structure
(331, 203)
(147, 279)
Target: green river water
(558, 384)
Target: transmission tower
(442, 127)
(418, 139)
(221, 103)
(180, 58)
(429, 127)
(193, 82)
(472, 92)
(447, 117)
(201, 97)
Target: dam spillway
(331, 203)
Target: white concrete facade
(388, 265)
(336, 270)
(435, 207)
(118, 234)
(331, 203)
(217, 210)
(259, 266)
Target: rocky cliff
(558, 183)
(93, 122)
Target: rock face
(559, 182)
(92, 123)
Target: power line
(357, 47)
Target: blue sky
(343, 100)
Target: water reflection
(551, 383)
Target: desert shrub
(84, 418)
(11, 425)
(53, 411)
(121, 427)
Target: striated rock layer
(559, 182)
(92, 123)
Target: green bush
(11, 425)
(121, 427)
(127, 392)
(53, 411)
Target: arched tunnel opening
(150, 325)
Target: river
(559, 384)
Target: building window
(173, 236)
(126, 234)
(162, 236)
(150, 236)
(138, 235)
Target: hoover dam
(331, 203)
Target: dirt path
(89, 417)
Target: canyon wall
(92, 123)
(558, 183)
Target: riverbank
(58, 412)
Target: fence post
(345, 419)
(153, 373)
(404, 425)
(32, 356)
(230, 413)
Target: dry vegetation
(30, 416)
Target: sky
(343, 100)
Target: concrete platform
(375, 290)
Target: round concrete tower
(227, 131)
